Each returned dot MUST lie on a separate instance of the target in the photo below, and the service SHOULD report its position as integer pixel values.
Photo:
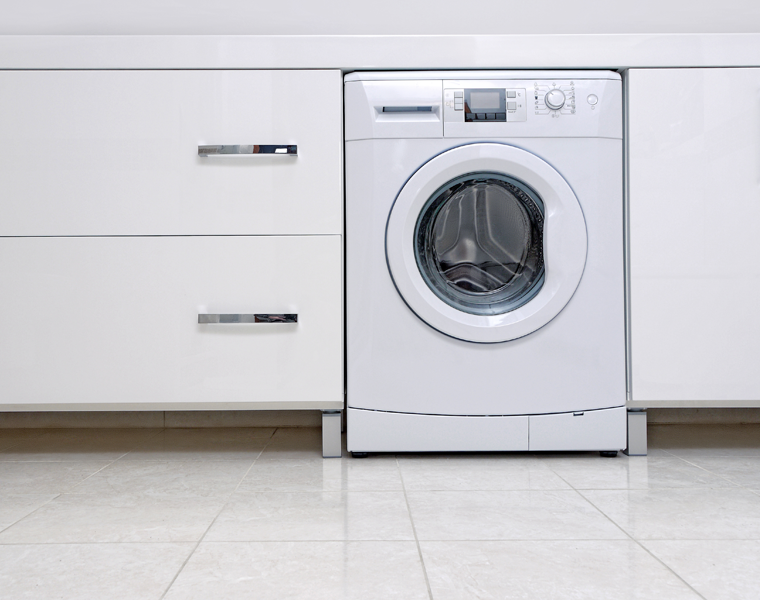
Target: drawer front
(112, 323)
(116, 152)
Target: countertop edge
(387, 52)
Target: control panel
(554, 98)
(478, 105)
(484, 104)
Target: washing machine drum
(486, 242)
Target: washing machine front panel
(398, 363)
(486, 242)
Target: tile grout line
(628, 535)
(414, 531)
(198, 543)
(4, 529)
(57, 495)
(735, 483)
(442, 541)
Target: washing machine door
(486, 242)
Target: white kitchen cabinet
(120, 245)
(116, 152)
(694, 202)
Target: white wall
(377, 17)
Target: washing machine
(484, 261)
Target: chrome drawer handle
(248, 150)
(253, 318)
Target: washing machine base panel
(379, 431)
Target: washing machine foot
(359, 454)
(608, 453)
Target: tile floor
(257, 513)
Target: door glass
(479, 243)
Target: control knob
(555, 99)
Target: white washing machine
(484, 248)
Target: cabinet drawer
(116, 152)
(112, 323)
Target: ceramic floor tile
(741, 470)
(45, 477)
(78, 445)
(636, 472)
(203, 444)
(12, 437)
(551, 570)
(677, 514)
(691, 441)
(84, 518)
(314, 570)
(722, 570)
(312, 516)
(167, 479)
(380, 474)
(294, 442)
(89, 571)
(16, 506)
(510, 515)
(484, 472)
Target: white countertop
(347, 52)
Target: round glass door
(486, 242)
(479, 243)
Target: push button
(511, 94)
(511, 105)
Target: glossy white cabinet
(694, 201)
(116, 235)
(112, 323)
(116, 152)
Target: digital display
(484, 100)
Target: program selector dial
(555, 99)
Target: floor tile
(636, 472)
(510, 515)
(551, 570)
(741, 470)
(317, 475)
(167, 479)
(722, 570)
(294, 442)
(89, 571)
(45, 477)
(84, 518)
(314, 570)
(16, 506)
(677, 514)
(312, 516)
(482, 472)
(78, 445)
(691, 441)
(203, 444)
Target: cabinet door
(694, 140)
(116, 152)
(112, 323)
